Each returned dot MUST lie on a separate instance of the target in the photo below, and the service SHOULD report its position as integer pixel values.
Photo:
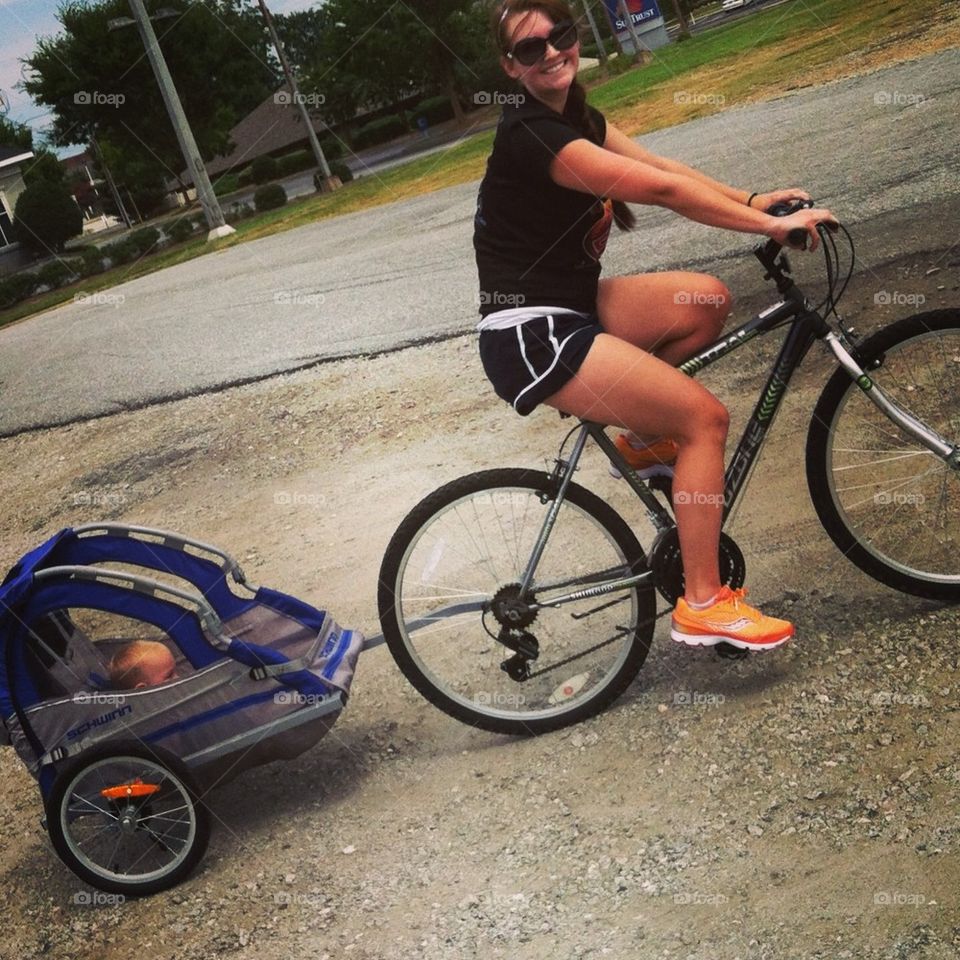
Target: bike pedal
(727, 651)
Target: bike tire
(166, 831)
(468, 542)
(891, 506)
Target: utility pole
(191, 153)
(329, 182)
(682, 20)
(114, 192)
(640, 53)
(596, 33)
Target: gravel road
(404, 273)
(797, 805)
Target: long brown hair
(576, 109)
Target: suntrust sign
(647, 22)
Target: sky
(22, 22)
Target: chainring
(667, 566)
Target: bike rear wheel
(449, 585)
(888, 503)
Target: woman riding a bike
(553, 332)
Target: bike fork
(946, 451)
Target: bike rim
(133, 839)
(478, 545)
(900, 501)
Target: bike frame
(806, 326)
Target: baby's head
(142, 663)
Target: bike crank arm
(946, 451)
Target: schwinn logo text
(100, 721)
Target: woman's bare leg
(621, 384)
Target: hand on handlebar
(764, 201)
(793, 229)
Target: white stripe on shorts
(555, 361)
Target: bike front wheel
(891, 505)
(454, 620)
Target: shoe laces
(736, 598)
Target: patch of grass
(786, 47)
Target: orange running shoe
(730, 619)
(654, 459)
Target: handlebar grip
(798, 238)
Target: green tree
(46, 217)
(44, 167)
(99, 83)
(13, 134)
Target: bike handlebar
(798, 237)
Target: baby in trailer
(142, 663)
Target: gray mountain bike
(518, 601)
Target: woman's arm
(583, 166)
(621, 144)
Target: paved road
(403, 273)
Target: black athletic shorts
(533, 360)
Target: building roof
(270, 127)
(11, 155)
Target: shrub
(378, 131)
(91, 262)
(226, 184)
(145, 240)
(245, 177)
(55, 274)
(264, 169)
(46, 217)
(121, 251)
(332, 149)
(16, 288)
(342, 171)
(180, 230)
(435, 109)
(295, 162)
(269, 197)
(238, 211)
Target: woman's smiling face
(551, 76)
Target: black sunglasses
(531, 49)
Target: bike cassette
(667, 566)
(509, 611)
